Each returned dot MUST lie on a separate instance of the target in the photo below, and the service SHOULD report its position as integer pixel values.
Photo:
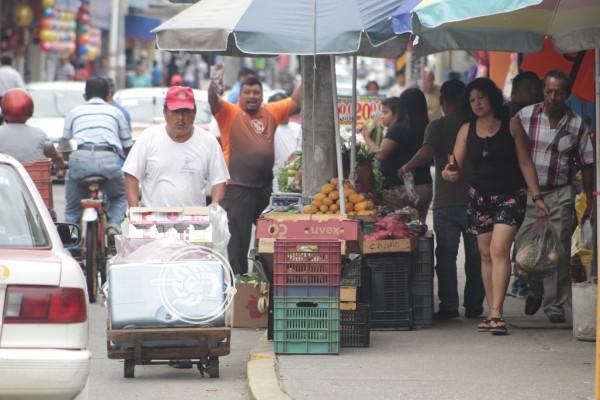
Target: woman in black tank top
(502, 170)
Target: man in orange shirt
(247, 131)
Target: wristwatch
(537, 197)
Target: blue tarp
(139, 27)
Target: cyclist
(176, 161)
(103, 139)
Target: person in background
(243, 74)
(19, 140)
(560, 144)
(502, 170)
(10, 78)
(112, 89)
(450, 218)
(406, 120)
(372, 88)
(176, 80)
(189, 73)
(526, 90)
(66, 70)
(139, 78)
(177, 162)
(247, 131)
(432, 96)
(399, 85)
(157, 74)
(103, 139)
(288, 139)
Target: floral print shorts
(486, 210)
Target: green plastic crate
(306, 325)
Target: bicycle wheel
(91, 259)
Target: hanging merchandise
(57, 29)
(84, 46)
(94, 43)
(23, 15)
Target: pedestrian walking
(175, 163)
(103, 138)
(560, 145)
(247, 131)
(450, 219)
(502, 170)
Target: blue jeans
(448, 224)
(84, 163)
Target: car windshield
(21, 225)
(150, 109)
(49, 103)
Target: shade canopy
(508, 25)
(302, 27)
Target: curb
(262, 377)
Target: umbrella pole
(338, 141)
(354, 107)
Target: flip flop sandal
(498, 327)
(484, 326)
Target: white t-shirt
(176, 174)
(288, 138)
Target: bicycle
(94, 243)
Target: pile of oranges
(327, 201)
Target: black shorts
(487, 210)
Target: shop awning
(140, 27)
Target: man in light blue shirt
(103, 138)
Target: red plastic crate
(41, 174)
(307, 263)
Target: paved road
(160, 382)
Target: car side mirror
(70, 234)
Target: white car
(44, 351)
(145, 105)
(52, 101)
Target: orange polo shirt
(248, 141)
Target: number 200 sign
(367, 107)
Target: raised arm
(214, 98)
(297, 99)
(526, 165)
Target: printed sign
(367, 107)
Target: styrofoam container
(176, 294)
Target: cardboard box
(191, 224)
(389, 246)
(347, 305)
(303, 226)
(245, 307)
(348, 293)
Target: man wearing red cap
(175, 162)
(247, 132)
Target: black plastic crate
(422, 304)
(422, 270)
(355, 327)
(352, 272)
(390, 296)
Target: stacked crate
(422, 283)
(306, 284)
(354, 315)
(41, 174)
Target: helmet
(17, 105)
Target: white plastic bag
(586, 238)
(220, 228)
(409, 187)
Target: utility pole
(117, 42)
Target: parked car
(44, 351)
(145, 105)
(52, 101)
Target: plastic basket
(331, 292)
(422, 304)
(352, 272)
(41, 173)
(307, 263)
(306, 326)
(391, 302)
(423, 267)
(355, 327)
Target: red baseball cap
(179, 97)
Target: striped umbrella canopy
(508, 25)
(302, 27)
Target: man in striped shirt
(103, 138)
(560, 145)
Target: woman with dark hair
(406, 119)
(502, 171)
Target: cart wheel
(212, 367)
(129, 369)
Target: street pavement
(452, 361)
(161, 382)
